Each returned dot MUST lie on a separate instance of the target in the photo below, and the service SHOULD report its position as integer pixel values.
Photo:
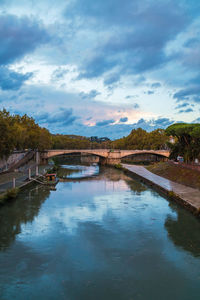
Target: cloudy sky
(101, 67)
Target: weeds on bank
(171, 194)
(9, 195)
(118, 166)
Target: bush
(9, 195)
(12, 193)
(118, 166)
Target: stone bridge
(106, 156)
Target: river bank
(186, 196)
(12, 182)
(107, 237)
(177, 173)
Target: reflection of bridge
(106, 156)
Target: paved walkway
(187, 194)
(6, 179)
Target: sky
(103, 67)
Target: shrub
(118, 166)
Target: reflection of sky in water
(98, 236)
(84, 171)
(70, 211)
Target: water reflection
(183, 230)
(23, 210)
(82, 171)
(107, 237)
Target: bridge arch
(159, 153)
(144, 158)
(53, 153)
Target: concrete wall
(12, 159)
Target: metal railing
(20, 178)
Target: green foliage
(118, 166)
(12, 193)
(2, 199)
(141, 139)
(61, 141)
(8, 138)
(9, 195)
(187, 140)
(21, 132)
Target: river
(104, 237)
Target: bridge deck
(106, 153)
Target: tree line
(181, 139)
(22, 132)
(186, 141)
(61, 141)
(141, 139)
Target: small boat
(51, 179)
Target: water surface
(82, 171)
(108, 238)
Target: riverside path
(188, 196)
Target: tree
(141, 139)
(7, 140)
(187, 140)
(21, 132)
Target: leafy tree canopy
(187, 140)
(141, 139)
(21, 132)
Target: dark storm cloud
(112, 79)
(91, 95)
(131, 97)
(123, 120)
(64, 117)
(156, 85)
(193, 42)
(149, 92)
(162, 122)
(182, 105)
(191, 93)
(10, 80)
(125, 43)
(97, 66)
(184, 94)
(188, 110)
(105, 122)
(196, 121)
(59, 74)
(18, 37)
(105, 11)
(138, 35)
(136, 105)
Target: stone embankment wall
(5, 164)
(184, 195)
